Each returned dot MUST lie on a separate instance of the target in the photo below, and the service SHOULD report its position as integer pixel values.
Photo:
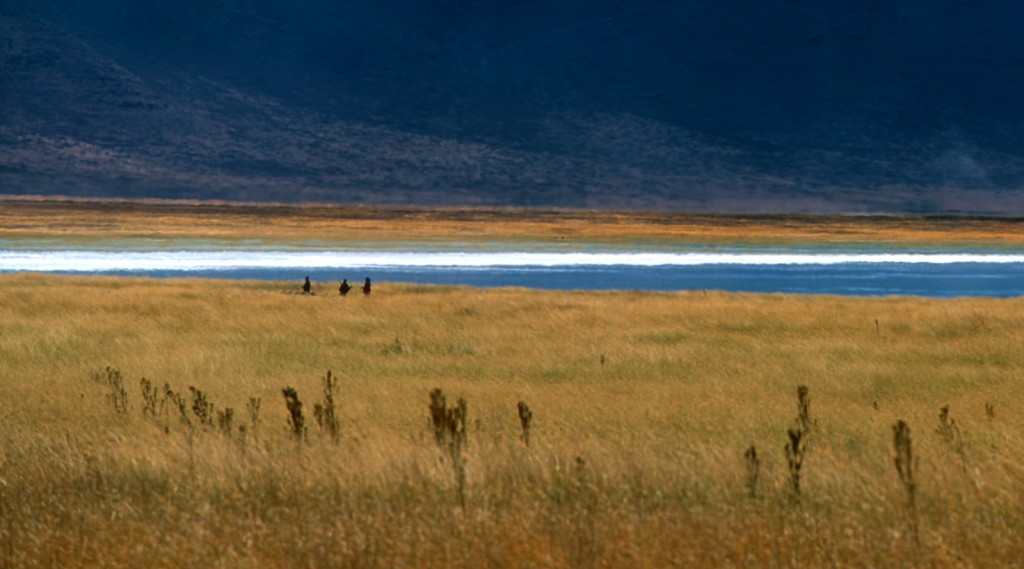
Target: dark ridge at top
(736, 106)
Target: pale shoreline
(98, 221)
(104, 261)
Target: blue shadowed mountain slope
(904, 106)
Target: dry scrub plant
(525, 416)
(253, 406)
(112, 379)
(202, 407)
(803, 417)
(449, 424)
(295, 419)
(753, 469)
(905, 468)
(949, 432)
(796, 451)
(796, 448)
(178, 401)
(438, 413)
(150, 397)
(325, 414)
(226, 421)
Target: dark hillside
(902, 106)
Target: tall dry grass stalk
(525, 420)
(326, 412)
(752, 466)
(905, 468)
(687, 380)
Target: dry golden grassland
(643, 407)
(335, 225)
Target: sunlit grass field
(643, 404)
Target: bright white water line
(99, 261)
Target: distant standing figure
(345, 287)
(306, 286)
(366, 287)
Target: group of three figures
(343, 289)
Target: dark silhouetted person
(345, 287)
(366, 287)
(306, 286)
